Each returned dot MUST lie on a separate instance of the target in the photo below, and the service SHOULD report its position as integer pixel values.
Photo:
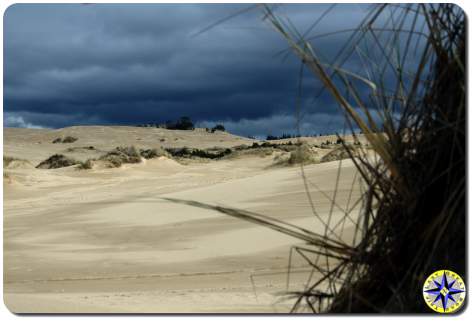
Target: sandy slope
(104, 240)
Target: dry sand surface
(105, 240)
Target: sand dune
(105, 240)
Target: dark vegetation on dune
(122, 155)
(343, 152)
(87, 164)
(302, 155)
(57, 161)
(153, 153)
(211, 153)
(114, 158)
(65, 140)
(299, 152)
(125, 155)
(74, 149)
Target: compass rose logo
(444, 291)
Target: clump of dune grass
(338, 154)
(209, 153)
(295, 154)
(65, 140)
(302, 155)
(261, 152)
(57, 161)
(264, 149)
(125, 155)
(153, 153)
(122, 155)
(80, 149)
(69, 139)
(87, 164)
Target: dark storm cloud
(127, 64)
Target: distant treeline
(284, 136)
(183, 123)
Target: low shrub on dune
(57, 161)
(153, 153)
(69, 139)
(122, 155)
(88, 164)
(303, 154)
(338, 154)
(65, 140)
(80, 149)
(210, 153)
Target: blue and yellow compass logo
(444, 291)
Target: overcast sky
(129, 64)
